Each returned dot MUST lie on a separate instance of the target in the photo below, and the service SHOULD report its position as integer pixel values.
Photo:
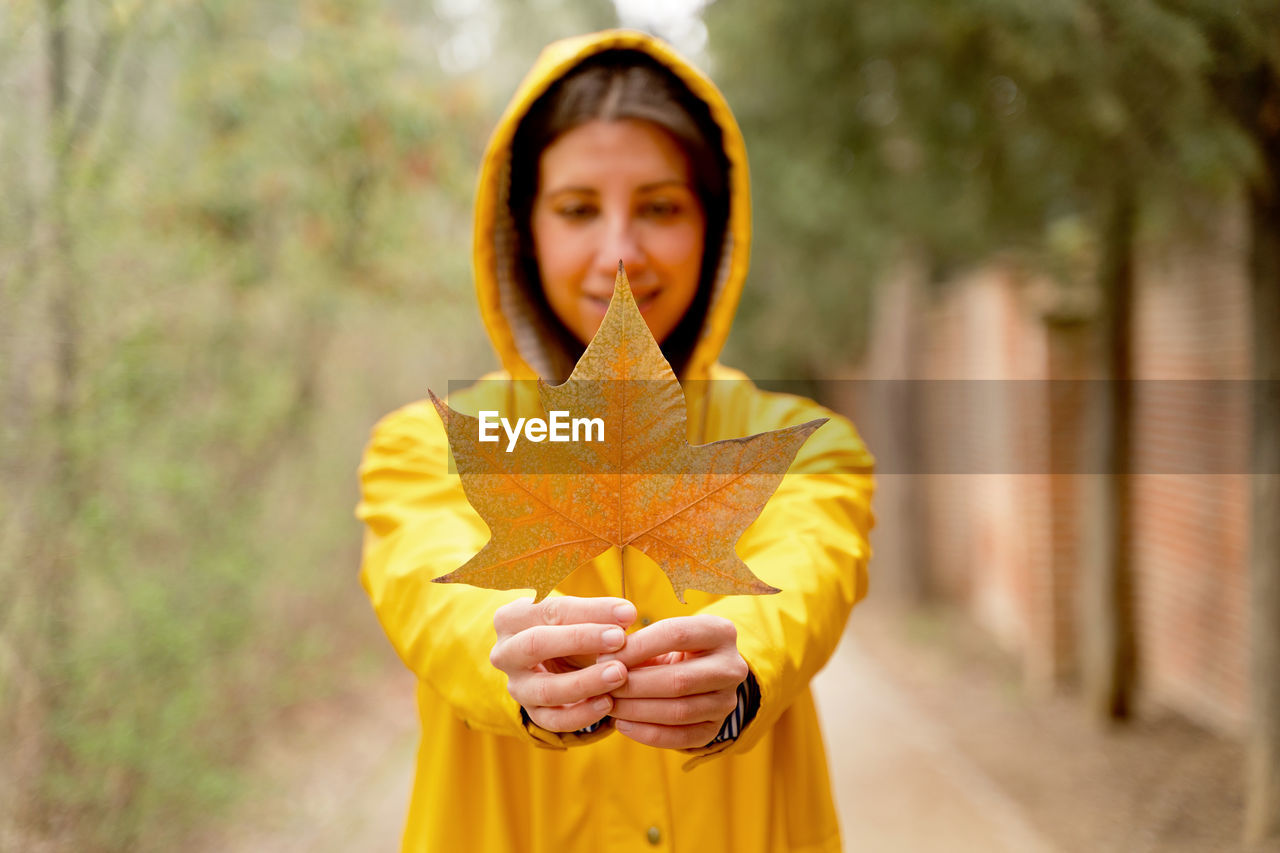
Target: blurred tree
(233, 234)
(526, 27)
(200, 199)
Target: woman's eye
(660, 209)
(576, 212)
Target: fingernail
(613, 638)
(604, 703)
(614, 673)
(625, 612)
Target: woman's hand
(548, 651)
(683, 681)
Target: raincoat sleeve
(810, 541)
(419, 526)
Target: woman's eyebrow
(644, 188)
(572, 189)
(680, 182)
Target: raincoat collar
(514, 334)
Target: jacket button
(654, 835)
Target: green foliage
(237, 238)
(957, 130)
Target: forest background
(233, 234)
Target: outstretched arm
(811, 541)
(687, 672)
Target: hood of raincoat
(520, 338)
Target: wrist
(743, 714)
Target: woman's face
(612, 191)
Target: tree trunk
(1108, 653)
(50, 583)
(891, 409)
(1262, 816)
(910, 414)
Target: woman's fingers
(548, 651)
(700, 633)
(532, 646)
(571, 718)
(522, 613)
(669, 737)
(691, 677)
(550, 689)
(681, 685)
(682, 711)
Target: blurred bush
(233, 234)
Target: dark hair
(623, 84)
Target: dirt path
(900, 783)
(336, 781)
(1157, 784)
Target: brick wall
(1000, 528)
(1191, 534)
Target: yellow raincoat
(485, 780)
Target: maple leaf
(551, 507)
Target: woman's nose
(620, 243)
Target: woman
(545, 727)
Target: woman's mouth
(643, 302)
